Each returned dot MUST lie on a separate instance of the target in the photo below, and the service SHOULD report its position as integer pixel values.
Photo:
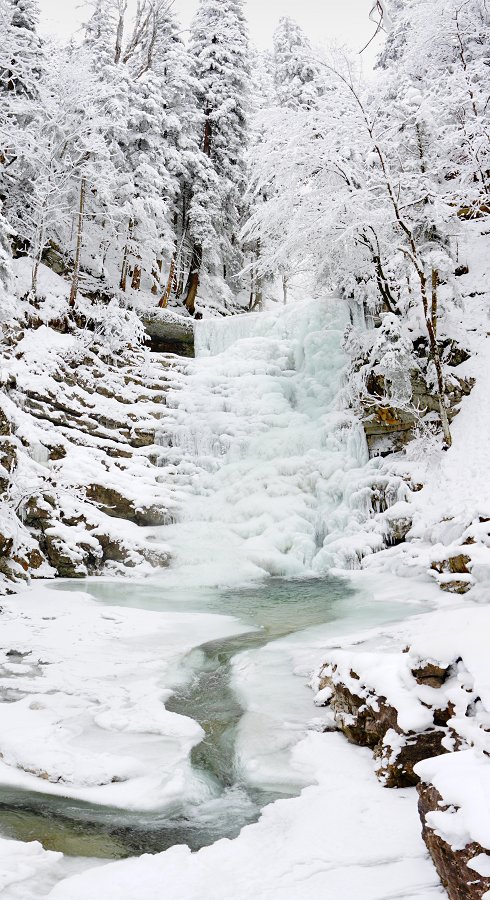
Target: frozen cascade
(263, 453)
(271, 478)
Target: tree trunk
(193, 279)
(76, 267)
(256, 281)
(156, 274)
(207, 136)
(180, 280)
(136, 279)
(431, 324)
(120, 31)
(125, 263)
(433, 311)
(170, 280)
(124, 271)
(37, 259)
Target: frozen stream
(207, 688)
(167, 714)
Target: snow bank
(301, 849)
(86, 684)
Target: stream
(203, 690)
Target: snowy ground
(86, 685)
(105, 670)
(337, 840)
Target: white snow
(463, 780)
(336, 840)
(89, 721)
(269, 476)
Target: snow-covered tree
(5, 270)
(21, 56)
(219, 47)
(23, 64)
(298, 77)
(359, 191)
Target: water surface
(204, 692)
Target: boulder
(116, 505)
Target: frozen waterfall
(255, 436)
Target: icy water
(204, 692)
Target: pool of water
(204, 692)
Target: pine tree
(23, 64)
(102, 42)
(21, 55)
(157, 148)
(297, 75)
(219, 46)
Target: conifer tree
(23, 64)
(297, 75)
(21, 54)
(219, 46)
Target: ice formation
(269, 463)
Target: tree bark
(37, 259)
(120, 30)
(125, 263)
(136, 279)
(431, 324)
(76, 267)
(170, 280)
(156, 274)
(193, 279)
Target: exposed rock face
(87, 424)
(169, 332)
(368, 720)
(389, 429)
(461, 881)
(453, 573)
(113, 503)
(424, 709)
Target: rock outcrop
(457, 869)
(169, 332)
(79, 458)
(368, 719)
(421, 702)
